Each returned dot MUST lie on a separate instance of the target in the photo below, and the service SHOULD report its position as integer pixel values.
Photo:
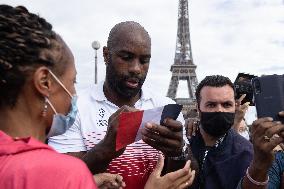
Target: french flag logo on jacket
(131, 123)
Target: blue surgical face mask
(61, 123)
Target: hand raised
(191, 127)
(179, 179)
(241, 109)
(109, 181)
(262, 133)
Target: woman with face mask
(37, 99)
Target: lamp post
(96, 45)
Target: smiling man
(92, 137)
(222, 154)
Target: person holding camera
(266, 169)
(222, 154)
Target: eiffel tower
(183, 67)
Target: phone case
(269, 96)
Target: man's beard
(117, 83)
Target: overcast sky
(227, 36)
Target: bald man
(92, 137)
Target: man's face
(127, 65)
(217, 99)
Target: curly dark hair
(213, 81)
(27, 42)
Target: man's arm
(71, 143)
(95, 159)
(262, 131)
(174, 164)
(241, 110)
(99, 157)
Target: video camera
(243, 85)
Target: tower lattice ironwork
(183, 67)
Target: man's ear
(106, 55)
(42, 81)
(198, 110)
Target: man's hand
(182, 178)
(99, 157)
(167, 138)
(109, 141)
(191, 127)
(240, 113)
(262, 133)
(263, 130)
(109, 181)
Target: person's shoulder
(240, 140)
(51, 162)
(279, 155)
(37, 159)
(89, 94)
(240, 143)
(64, 170)
(86, 91)
(68, 164)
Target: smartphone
(269, 96)
(243, 85)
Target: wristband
(184, 154)
(256, 182)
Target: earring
(43, 113)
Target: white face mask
(61, 123)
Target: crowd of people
(53, 137)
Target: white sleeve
(71, 140)
(181, 119)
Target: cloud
(228, 36)
(272, 69)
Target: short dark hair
(27, 41)
(213, 81)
